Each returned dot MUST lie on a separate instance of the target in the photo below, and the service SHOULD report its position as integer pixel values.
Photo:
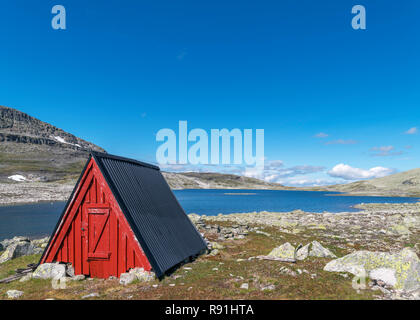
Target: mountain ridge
(32, 150)
(38, 151)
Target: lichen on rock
(405, 264)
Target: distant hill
(33, 150)
(200, 180)
(400, 184)
(37, 150)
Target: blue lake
(37, 220)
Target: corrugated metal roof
(163, 229)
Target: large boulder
(8, 242)
(405, 265)
(303, 252)
(285, 251)
(18, 249)
(313, 249)
(386, 275)
(50, 271)
(317, 250)
(127, 278)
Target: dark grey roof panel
(164, 231)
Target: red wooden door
(98, 242)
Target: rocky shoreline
(33, 192)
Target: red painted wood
(94, 234)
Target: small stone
(216, 245)
(214, 252)
(79, 277)
(91, 295)
(268, 288)
(14, 294)
(26, 277)
(70, 270)
(245, 286)
(287, 271)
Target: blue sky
(123, 70)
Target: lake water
(36, 220)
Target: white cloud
(347, 172)
(284, 175)
(274, 164)
(308, 182)
(413, 130)
(321, 135)
(383, 149)
(341, 141)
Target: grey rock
(142, 275)
(285, 251)
(216, 245)
(14, 294)
(41, 242)
(287, 271)
(214, 252)
(91, 295)
(303, 252)
(268, 288)
(245, 286)
(16, 250)
(26, 277)
(386, 275)
(70, 270)
(127, 278)
(405, 264)
(79, 277)
(317, 250)
(50, 271)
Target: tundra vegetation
(268, 255)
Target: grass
(204, 282)
(40, 164)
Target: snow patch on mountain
(17, 177)
(61, 140)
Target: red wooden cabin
(121, 215)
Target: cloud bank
(347, 172)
